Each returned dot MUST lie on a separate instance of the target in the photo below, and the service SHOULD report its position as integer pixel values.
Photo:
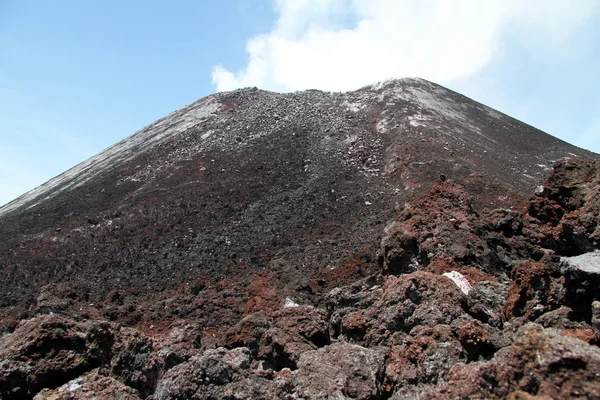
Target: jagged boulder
(422, 360)
(47, 351)
(295, 330)
(565, 215)
(537, 288)
(405, 302)
(204, 376)
(541, 362)
(90, 386)
(340, 370)
(134, 361)
(248, 331)
(485, 301)
(178, 345)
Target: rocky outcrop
(295, 331)
(541, 362)
(48, 351)
(51, 350)
(205, 376)
(90, 386)
(564, 216)
(340, 371)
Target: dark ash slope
(224, 186)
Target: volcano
(390, 242)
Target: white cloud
(345, 44)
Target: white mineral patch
(588, 262)
(289, 303)
(73, 385)
(460, 281)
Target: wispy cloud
(345, 44)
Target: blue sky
(78, 76)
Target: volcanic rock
(340, 371)
(90, 386)
(47, 351)
(541, 362)
(204, 377)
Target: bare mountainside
(401, 217)
(238, 179)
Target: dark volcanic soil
(353, 203)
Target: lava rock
(406, 301)
(423, 360)
(134, 361)
(535, 290)
(295, 331)
(204, 376)
(90, 386)
(340, 370)
(485, 301)
(541, 362)
(47, 351)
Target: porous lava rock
(564, 216)
(134, 361)
(535, 290)
(295, 331)
(405, 302)
(486, 299)
(248, 331)
(90, 386)
(204, 376)
(340, 370)
(541, 362)
(422, 360)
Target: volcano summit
(398, 241)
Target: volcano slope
(382, 243)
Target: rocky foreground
(463, 303)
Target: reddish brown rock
(535, 290)
(248, 331)
(440, 225)
(475, 339)
(266, 293)
(295, 330)
(541, 362)
(56, 299)
(422, 361)
(586, 335)
(565, 216)
(474, 275)
(406, 301)
(178, 344)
